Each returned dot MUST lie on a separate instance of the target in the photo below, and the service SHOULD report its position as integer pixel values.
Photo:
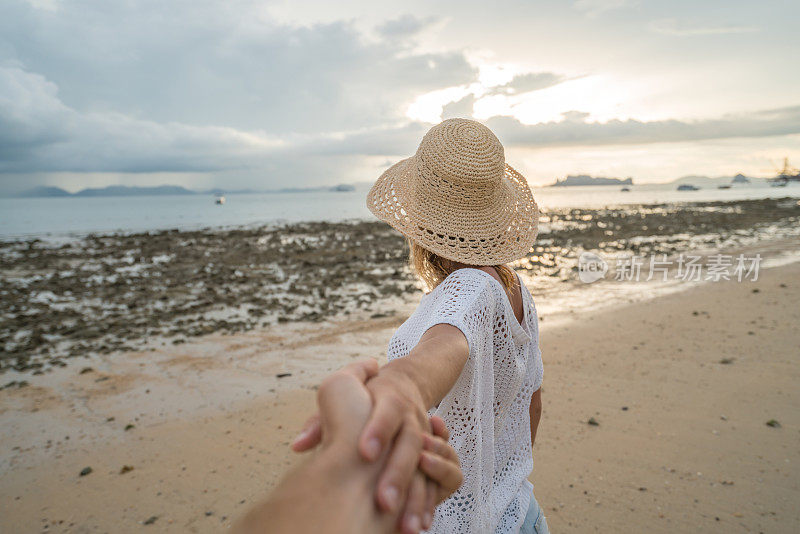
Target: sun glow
(601, 98)
(428, 107)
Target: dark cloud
(460, 108)
(593, 8)
(685, 29)
(531, 81)
(575, 130)
(38, 132)
(223, 63)
(403, 27)
(186, 86)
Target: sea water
(57, 217)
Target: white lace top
(487, 411)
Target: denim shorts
(535, 522)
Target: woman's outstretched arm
(431, 368)
(402, 392)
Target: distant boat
(625, 189)
(343, 188)
(688, 187)
(724, 186)
(785, 175)
(220, 200)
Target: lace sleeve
(465, 300)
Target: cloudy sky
(263, 94)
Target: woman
(470, 350)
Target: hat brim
(500, 230)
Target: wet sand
(681, 386)
(110, 294)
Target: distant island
(164, 190)
(585, 179)
(110, 191)
(695, 180)
(706, 181)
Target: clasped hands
(384, 417)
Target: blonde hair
(432, 269)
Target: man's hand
(345, 404)
(332, 491)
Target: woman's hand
(439, 461)
(398, 422)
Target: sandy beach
(682, 386)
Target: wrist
(404, 383)
(350, 488)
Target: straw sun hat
(458, 198)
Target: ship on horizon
(785, 175)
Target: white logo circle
(591, 267)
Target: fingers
(446, 473)
(344, 405)
(439, 428)
(384, 423)
(363, 370)
(415, 506)
(431, 496)
(310, 436)
(400, 467)
(440, 447)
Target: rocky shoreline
(107, 293)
